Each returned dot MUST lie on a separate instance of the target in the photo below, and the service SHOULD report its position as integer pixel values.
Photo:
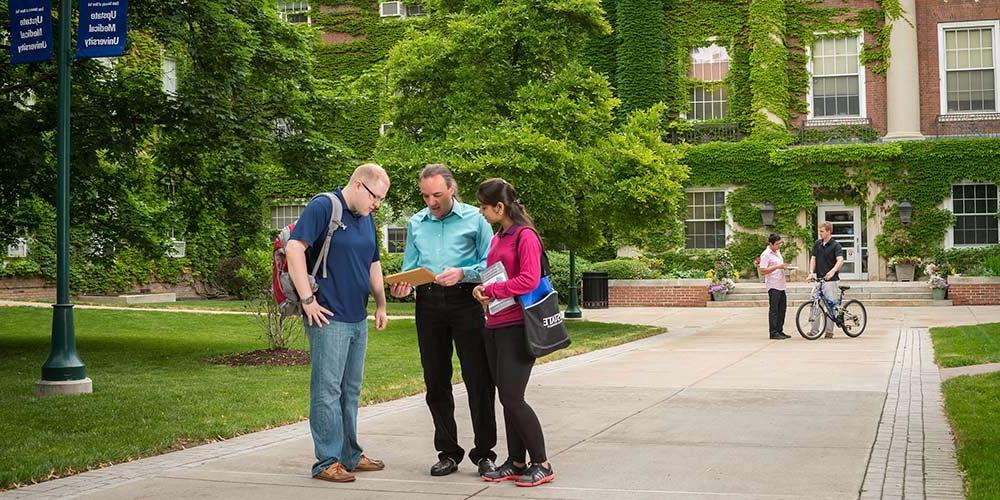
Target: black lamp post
(767, 214)
(905, 212)
(63, 371)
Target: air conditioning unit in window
(18, 250)
(414, 10)
(178, 249)
(391, 9)
(384, 128)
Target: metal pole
(63, 372)
(573, 308)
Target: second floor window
(837, 78)
(969, 68)
(294, 11)
(709, 67)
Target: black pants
(511, 366)
(777, 303)
(447, 315)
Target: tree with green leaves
(499, 89)
(197, 162)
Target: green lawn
(154, 390)
(973, 403)
(966, 345)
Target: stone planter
(939, 293)
(719, 296)
(905, 272)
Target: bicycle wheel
(855, 318)
(810, 322)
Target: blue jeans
(337, 352)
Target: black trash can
(595, 290)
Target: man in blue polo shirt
(336, 316)
(451, 239)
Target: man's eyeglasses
(378, 199)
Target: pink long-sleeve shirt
(524, 270)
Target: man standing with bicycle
(826, 260)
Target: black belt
(434, 288)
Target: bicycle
(850, 316)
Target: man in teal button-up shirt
(451, 239)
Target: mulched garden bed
(265, 357)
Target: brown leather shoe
(336, 473)
(369, 464)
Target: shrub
(559, 264)
(968, 261)
(625, 269)
(992, 265)
(682, 260)
(253, 276)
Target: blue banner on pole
(101, 31)
(30, 31)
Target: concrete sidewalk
(710, 410)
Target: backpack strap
(336, 216)
(546, 271)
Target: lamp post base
(63, 387)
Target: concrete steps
(888, 294)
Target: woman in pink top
(517, 246)
(772, 267)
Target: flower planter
(939, 293)
(719, 296)
(905, 272)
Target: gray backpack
(282, 288)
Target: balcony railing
(707, 132)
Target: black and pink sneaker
(506, 472)
(535, 475)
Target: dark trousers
(447, 315)
(511, 365)
(777, 302)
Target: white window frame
(281, 204)
(862, 87)
(283, 14)
(943, 72)
(708, 43)
(727, 218)
(949, 205)
(400, 9)
(385, 236)
(18, 249)
(168, 75)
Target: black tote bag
(544, 328)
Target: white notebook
(495, 274)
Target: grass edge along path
(972, 403)
(966, 345)
(155, 392)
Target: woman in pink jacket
(517, 246)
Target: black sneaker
(506, 472)
(535, 475)
(486, 465)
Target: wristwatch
(310, 299)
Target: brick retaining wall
(974, 291)
(658, 293)
(38, 289)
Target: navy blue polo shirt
(353, 249)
